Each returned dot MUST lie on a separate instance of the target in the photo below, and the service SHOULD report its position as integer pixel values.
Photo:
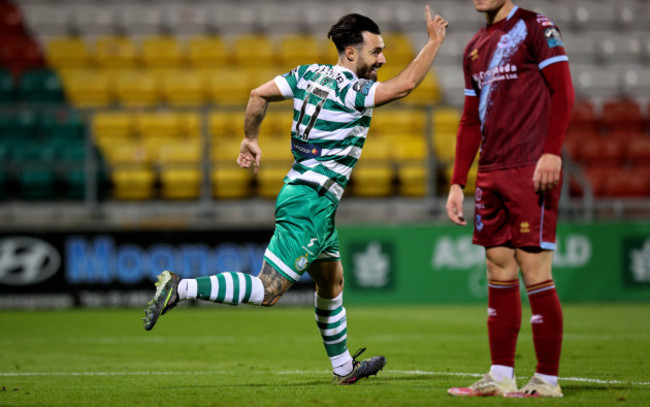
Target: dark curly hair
(349, 30)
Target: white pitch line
(297, 372)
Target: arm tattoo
(274, 284)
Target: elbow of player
(406, 88)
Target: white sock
(182, 289)
(552, 380)
(344, 369)
(499, 372)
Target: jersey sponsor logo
(27, 261)
(479, 223)
(544, 21)
(505, 41)
(553, 38)
(305, 149)
(363, 86)
(301, 263)
(496, 74)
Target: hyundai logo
(26, 261)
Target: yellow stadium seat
(446, 120)
(471, 177)
(276, 162)
(279, 121)
(253, 50)
(88, 88)
(427, 92)
(444, 145)
(68, 53)
(129, 154)
(412, 179)
(190, 125)
(372, 179)
(226, 124)
(158, 124)
(296, 49)
(228, 180)
(227, 86)
(137, 89)
(180, 169)
(373, 174)
(115, 52)
(133, 183)
(183, 88)
(161, 52)
(112, 128)
(409, 148)
(259, 75)
(399, 49)
(395, 123)
(208, 52)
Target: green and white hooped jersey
(332, 109)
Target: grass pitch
(248, 356)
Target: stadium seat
(6, 87)
(88, 88)
(18, 53)
(11, 20)
(63, 129)
(427, 92)
(113, 128)
(228, 180)
(583, 117)
(115, 52)
(373, 174)
(135, 88)
(161, 52)
(40, 86)
(622, 115)
(139, 19)
(227, 86)
(183, 88)
(596, 175)
(470, 187)
(278, 121)
(276, 162)
(399, 49)
(410, 154)
(35, 173)
(627, 183)
(638, 151)
(444, 145)
(92, 19)
(180, 170)
(68, 53)
(602, 151)
(133, 183)
(253, 50)
(20, 127)
(226, 124)
(208, 52)
(396, 123)
(297, 50)
(446, 120)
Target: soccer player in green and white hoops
(332, 110)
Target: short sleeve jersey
(503, 66)
(332, 109)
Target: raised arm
(409, 78)
(249, 151)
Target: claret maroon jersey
(502, 65)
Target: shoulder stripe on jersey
(512, 12)
(470, 92)
(547, 62)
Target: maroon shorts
(509, 211)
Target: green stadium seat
(34, 164)
(19, 127)
(40, 86)
(6, 87)
(66, 128)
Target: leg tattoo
(274, 284)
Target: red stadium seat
(638, 151)
(603, 151)
(575, 139)
(622, 115)
(597, 177)
(583, 117)
(19, 53)
(627, 183)
(11, 20)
